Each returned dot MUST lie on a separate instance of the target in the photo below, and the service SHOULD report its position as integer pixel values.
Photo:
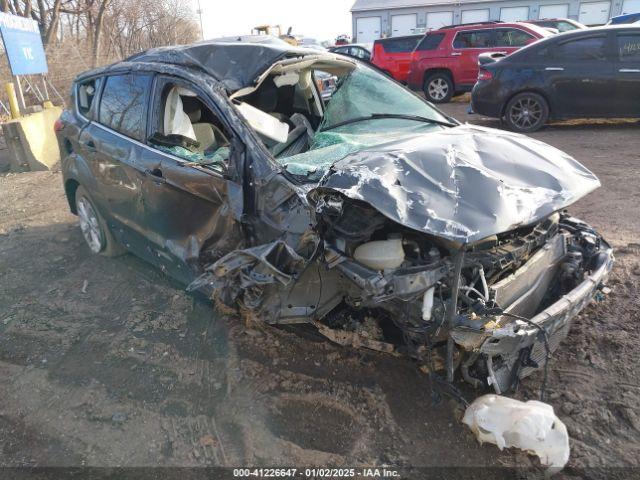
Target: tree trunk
(98, 31)
(52, 28)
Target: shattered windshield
(331, 146)
(365, 92)
(366, 110)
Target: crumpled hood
(463, 183)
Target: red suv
(445, 62)
(393, 55)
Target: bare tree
(110, 28)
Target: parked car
(376, 218)
(360, 51)
(583, 73)
(393, 55)
(626, 19)
(445, 62)
(560, 24)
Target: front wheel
(526, 112)
(438, 88)
(94, 229)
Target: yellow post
(13, 100)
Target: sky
(319, 19)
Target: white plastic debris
(531, 426)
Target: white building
(390, 18)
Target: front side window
(629, 48)
(430, 42)
(123, 104)
(473, 39)
(86, 93)
(187, 128)
(583, 49)
(512, 37)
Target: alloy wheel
(90, 225)
(525, 113)
(438, 88)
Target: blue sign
(23, 44)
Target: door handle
(501, 53)
(554, 69)
(456, 54)
(90, 146)
(629, 70)
(156, 173)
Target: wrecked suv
(373, 217)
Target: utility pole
(199, 12)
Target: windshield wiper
(376, 116)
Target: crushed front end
(493, 309)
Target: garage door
(474, 16)
(367, 29)
(439, 19)
(514, 14)
(594, 13)
(554, 11)
(403, 24)
(630, 6)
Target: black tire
(94, 229)
(438, 87)
(526, 112)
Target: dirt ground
(106, 362)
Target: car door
(113, 145)
(467, 46)
(580, 75)
(627, 72)
(190, 202)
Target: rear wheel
(526, 112)
(438, 87)
(94, 229)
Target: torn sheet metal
(464, 183)
(236, 65)
(531, 426)
(245, 275)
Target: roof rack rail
(489, 22)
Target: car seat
(208, 135)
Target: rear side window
(582, 49)
(473, 39)
(400, 45)
(430, 42)
(512, 37)
(629, 48)
(86, 93)
(123, 104)
(565, 27)
(359, 52)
